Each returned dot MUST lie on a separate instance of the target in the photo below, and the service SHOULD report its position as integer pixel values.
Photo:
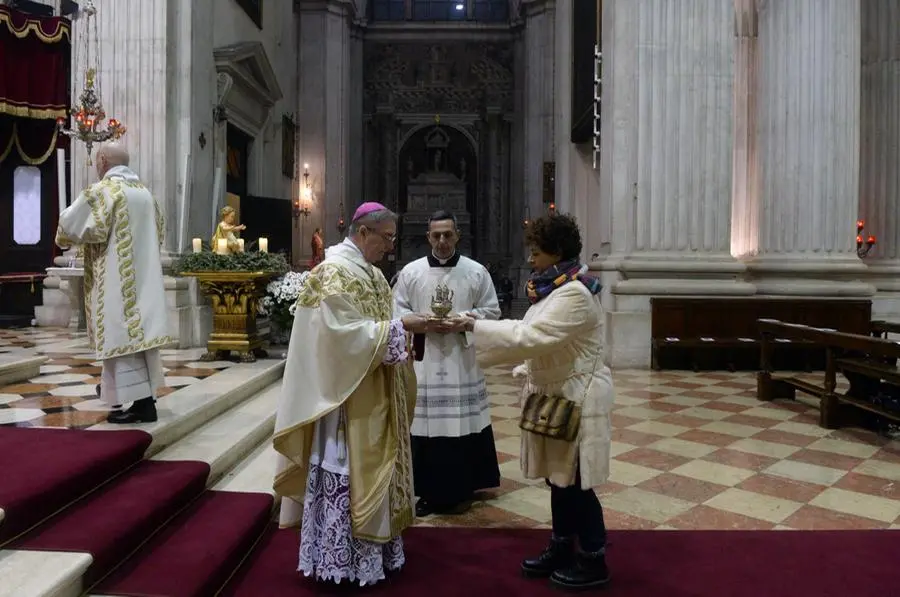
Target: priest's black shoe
(423, 508)
(559, 554)
(589, 572)
(142, 411)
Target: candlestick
(263, 244)
(197, 245)
(222, 246)
(61, 178)
(240, 245)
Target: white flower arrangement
(280, 301)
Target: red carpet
(113, 521)
(195, 554)
(445, 562)
(43, 470)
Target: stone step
(17, 366)
(225, 420)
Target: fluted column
(681, 192)
(745, 196)
(808, 145)
(539, 93)
(133, 79)
(326, 74)
(879, 184)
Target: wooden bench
(721, 332)
(868, 363)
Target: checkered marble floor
(690, 450)
(699, 451)
(64, 395)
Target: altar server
(452, 439)
(120, 227)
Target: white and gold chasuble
(334, 368)
(125, 302)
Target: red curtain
(34, 81)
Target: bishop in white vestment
(452, 438)
(120, 227)
(342, 426)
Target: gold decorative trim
(31, 161)
(35, 25)
(125, 254)
(161, 342)
(8, 106)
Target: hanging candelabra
(89, 115)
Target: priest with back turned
(452, 438)
(342, 425)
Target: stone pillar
(745, 194)
(326, 71)
(539, 90)
(808, 145)
(164, 50)
(879, 184)
(666, 161)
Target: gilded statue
(228, 230)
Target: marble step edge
(224, 442)
(189, 408)
(42, 573)
(16, 367)
(228, 439)
(254, 474)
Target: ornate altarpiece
(463, 91)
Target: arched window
(489, 11)
(26, 205)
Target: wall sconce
(526, 221)
(551, 208)
(863, 248)
(341, 224)
(304, 201)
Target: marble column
(745, 196)
(539, 91)
(808, 149)
(879, 184)
(326, 74)
(156, 76)
(666, 153)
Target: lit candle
(263, 244)
(871, 240)
(61, 179)
(197, 245)
(222, 246)
(240, 245)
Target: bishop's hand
(414, 323)
(460, 323)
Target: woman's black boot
(589, 572)
(559, 554)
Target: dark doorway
(268, 217)
(238, 157)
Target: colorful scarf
(543, 283)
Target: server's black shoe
(142, 411)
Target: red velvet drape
(34, 81)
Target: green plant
(207, 261)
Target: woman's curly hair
(555, 234)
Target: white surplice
(120, 227)
(452, 398)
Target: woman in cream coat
(560, 341)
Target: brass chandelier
(88, 115)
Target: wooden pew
(722, 330)
(868, 363)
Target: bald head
(110, 155)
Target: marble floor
(690, 450)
